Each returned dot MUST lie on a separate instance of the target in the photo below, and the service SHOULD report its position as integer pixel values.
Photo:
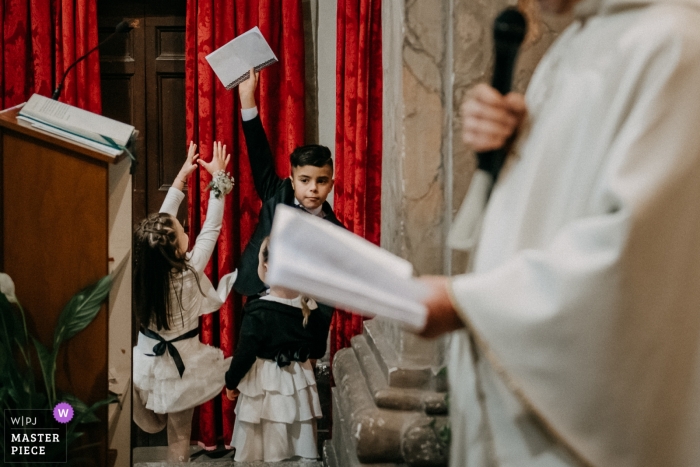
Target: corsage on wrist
(221, 183)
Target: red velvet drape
(214, 114)
(39, 40)
(358, 140)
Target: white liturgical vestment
(583, 299)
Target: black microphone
(509, 30)
(121, 27)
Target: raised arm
(262, 163)
(206, 240)
(175, 193)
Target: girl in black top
(272, 376)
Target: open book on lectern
(232, 61)
(80, 126)
(336, 267)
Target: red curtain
(358, 140)
(213, 114)
(39, 40)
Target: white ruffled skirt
(276, 413)
(159, 383)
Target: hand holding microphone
(490, 118)
(491, 114)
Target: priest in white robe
(576, 333)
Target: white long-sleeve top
(184, 290)
(584, 295)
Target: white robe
(584, 295)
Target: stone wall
(433, 53)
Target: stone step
(341, 451)
(329, 457)
(402, 372)
(365, 434)
(395, 398)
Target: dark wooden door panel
(165, 97)
(123, 84)
(143, 84)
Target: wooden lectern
(66, 222)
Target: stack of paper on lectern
(232, 61)
(333, 266)
(78, 125)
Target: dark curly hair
(157, 262)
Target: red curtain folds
(358, 134)
(214, 114)
(39, 40)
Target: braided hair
(305, 310)
(157, 262)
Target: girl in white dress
(173, 371)
(272, 376)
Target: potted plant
(19, 388)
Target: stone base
(376, 424)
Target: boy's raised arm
(262, 162)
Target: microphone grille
(122, 27)
(510, 27)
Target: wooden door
(143, 83)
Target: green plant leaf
(10, 324)
(47, 361)
(80, 408)
(81, 310)
(80, 418)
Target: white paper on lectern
(333, 266)
(77, 124)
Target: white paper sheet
(338, 268)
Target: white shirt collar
(316, 211)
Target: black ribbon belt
(159, 348)
(286, 357)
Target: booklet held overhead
(232, 61)
(336, 267)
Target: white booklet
(331, 265)
(232, 61)
(75, 124)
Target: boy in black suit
(307, 188)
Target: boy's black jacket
(274, 331)
(272, 190)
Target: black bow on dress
(159, 348)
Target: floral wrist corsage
(221, 183)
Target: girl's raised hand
(187, 168)
(219, 159)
